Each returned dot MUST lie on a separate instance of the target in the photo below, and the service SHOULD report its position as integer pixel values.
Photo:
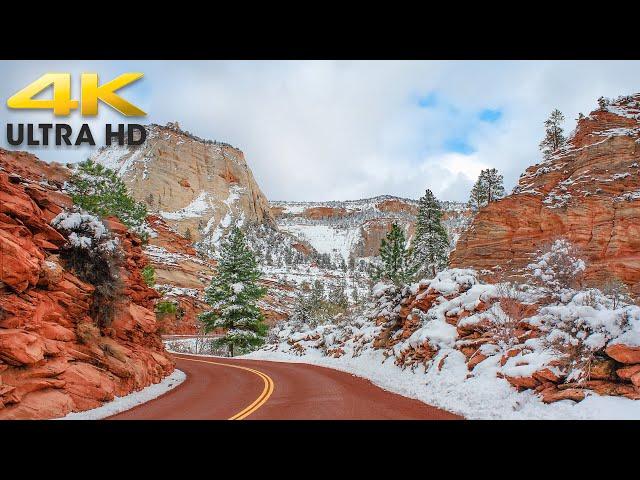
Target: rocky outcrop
(614, 370)
(194, 184)
(54, 359)
(588, 192)
(181, 277)
(496, 337)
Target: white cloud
(335, 130)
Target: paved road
(218, 388)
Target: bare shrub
(505, 320)
(617, 291)
(558, 268)
(578, 336)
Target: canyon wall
(54, 358)
(587, 192)
(196, 185)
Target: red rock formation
(370, 218)
(178, 267)
(397, 205)
(374, 231)
(588, 192)
(53, 358)
(317, 213)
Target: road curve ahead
(220, 388)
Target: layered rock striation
(196, 185)
(587, 192)
(54, 358)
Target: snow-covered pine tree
(395, 258)
(338, 295)
(488, 188)
(554, 137)
(430, 246)
(302, 309)
(233, 296)
(355, 296)
(100, 191)
(603, 102)
(317, 295)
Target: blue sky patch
(458, 145)
(489, 115)
(428, 101)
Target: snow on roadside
(482, 397)
(477, 398)
(121, 404)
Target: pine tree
(430, 246)
(338, 295)
(317, 295)
(233, 296)
(477, 198)
(99, 190)
(302, 308)
(494, 185)
(395, 258)
(488, 188)
(603, 102)
(554, 137)
(355, 296)
(187, 234)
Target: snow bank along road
(222, 388)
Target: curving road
(220, 388)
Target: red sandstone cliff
(54, 359)
(588, 192)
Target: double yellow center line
(258, 402)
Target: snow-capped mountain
(200, 187)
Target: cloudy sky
(337, 130)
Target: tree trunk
(231, 349)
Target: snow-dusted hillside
(351, 230)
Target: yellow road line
(258, 402)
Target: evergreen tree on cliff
(430, 246)
(488, 188)
(554, 134)
(395, 258)
(100, 191)
(233, 296)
